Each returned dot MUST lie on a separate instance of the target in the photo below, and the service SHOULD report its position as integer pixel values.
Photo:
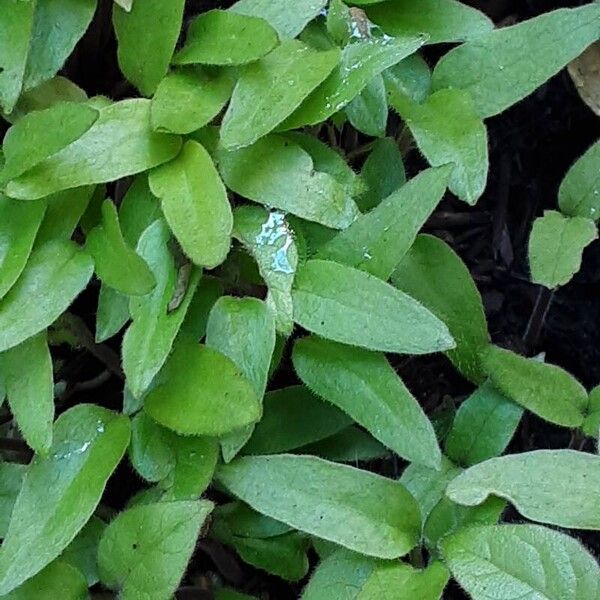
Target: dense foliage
(250, 293)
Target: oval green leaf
(26, 371)
(579, 192)
(116, 264)
(290, 73)
(447, 130)
(521, 561)
(61, 491)
(280, 174)
(145, 550)
(119, 143)
(541, 485)
(294, 417)
(19, 225)
(556, 245)
(377, 241)
(220, 37)
(364, 386)
(349, 306)
(195, 204)
(146, 38)
(505, 74)
(201, 392)
(443, 20)
(544, 389)
(356, 509)
(361, 62)
(149, 339)
(435, 275)
(57, 272)
(40, 134)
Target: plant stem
(538, 317)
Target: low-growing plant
(253, 293)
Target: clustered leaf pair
(227, 237)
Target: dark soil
(531, 147)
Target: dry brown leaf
(585, 73)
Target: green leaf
(290, 73)
(339, 22)
(58, 580)
(61, 491)
(361, 62)
(521, 561)
(579, 192)
(377, 241)
(82, 552)
(447, 517)
(40, 134)
(268, 237)
(202, 392)
(364, 385)
(19, 224)
(350, 445)
(368, 112)
(347, 576)
(328, 160)
(26, 371)
(427, 485)
(139, 209)
(146, 39)
(294, 417)
(150, 451)
(242, 521)
(195, 204)
(447, 130)
(56, 272)
(195, 463)
(47, 94)
(280, 174)
(183, 465)
(36, 48)
(383, 173)
(591, 425)
(505, 74)
(556, 245)
(546, 390)
(243, 329)
(349, 306)
(145, 550)
(63, 213)
(541, 484)
(148, 341)
(432, 273)
(116, 264)
(283, 556)
(443, 20)
(356, 509)
(16, 21)
(289, 19)
(119, 143)
(483, 426)
(209, 291)
(11, 479)
(411, 77)
(188, 99)
(220, 37)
